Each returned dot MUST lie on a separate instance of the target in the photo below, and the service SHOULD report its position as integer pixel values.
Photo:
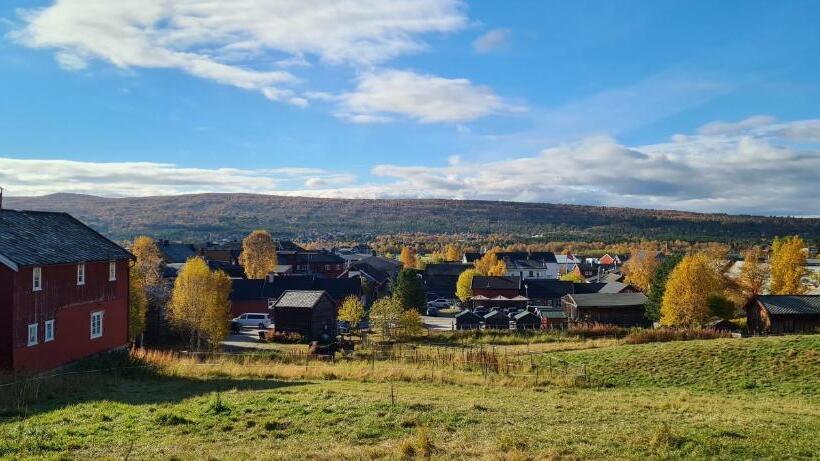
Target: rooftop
(608, 299)
(791, 305)
(299, 298)
(31, 238)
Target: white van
(254, 320)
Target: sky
(692, 105)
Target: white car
(254, 320)
(439, 303)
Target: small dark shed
(526, 320)
(467, 320)
(621, 309)
(496, 320)
(783, 314)
(552, 317)
(310, 313)
(720, 324)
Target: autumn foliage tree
(464, 285)
(688, 290)
(199, 302)
(352, 311)
(788, 266)
(572, 277)
(145, 283)
(452, 252)
(258, 254)
(640, 268)
(385, 314)
(137, 305)
(753, 275)
(408, 258)
(490, 264)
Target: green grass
(783, 365)
(685, 400)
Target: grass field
(733, 399)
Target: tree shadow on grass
(120, 379)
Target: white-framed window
(48, 334)
(32, 334)
(112, 271)
(80, 274)
(96, 324)
(37, 279)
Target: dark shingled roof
(299, 298)
(526, 314)
(791, 305)
(176, 252)
(451, 269)
(544, 288)
(31, 238)
(608, 299)
(545, 256)
(337, 289)
(496, 283)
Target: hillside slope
(210, 216)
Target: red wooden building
(63, 291)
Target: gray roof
(176, 252)
(32, 238)
(299, 298)
(613, 287)
(524, 314)
(608, 299)
(791, 305)
(551, 312)
(496, 283)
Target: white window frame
(48, 331)
(99, 315)
(35, 328)
(112, 271)
(80, 274)
(37, 279)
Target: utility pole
(1, 197)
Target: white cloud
(235, 42)
(36, 177)
(380, 96)
(492, 40)
(730, 128)
(759, 170)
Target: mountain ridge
(231, 215)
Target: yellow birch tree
(408, 258)
(258, 254)
(686, 299)
(788, 266)
(640, 268)
(753, 275)
(464, 285)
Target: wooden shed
(310, 313)
(526, 320)
(783, 314)
(551, 317)
(467, 320)
(621, 309)
(496, 320)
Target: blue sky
(636, 103)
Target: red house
(63, 291)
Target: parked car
(439, 303)
(254, 320)
(432, 312)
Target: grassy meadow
(756, 398)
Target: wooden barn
(551, 317)
(526, 320)
(63, 291)
(311, 313)
(467, 320)
(496, 320)
(783, 314)
(621, 309)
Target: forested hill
(213, 216)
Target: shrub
(284, 337)
(673, 334)
(596, 330)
